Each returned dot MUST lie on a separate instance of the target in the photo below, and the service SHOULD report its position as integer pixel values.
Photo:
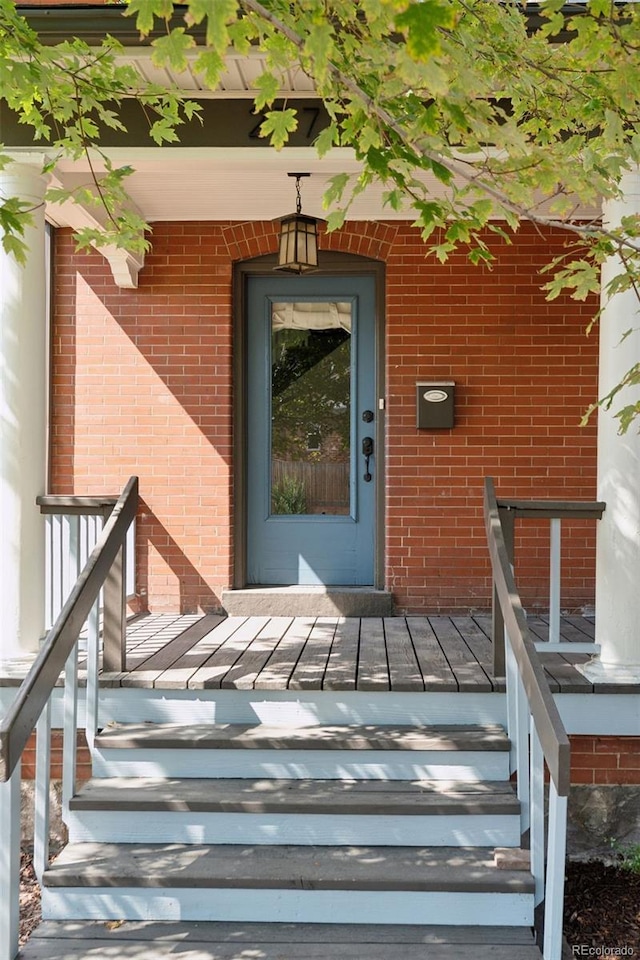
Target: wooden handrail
(88, 506)
(546, 717)
(22, 716)
(555, 509)
(509, 511)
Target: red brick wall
(83, 757)
(142, 383)
(605, 760)
(525, 373)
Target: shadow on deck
(413, 653)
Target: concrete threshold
(307, 601)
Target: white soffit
(233, 183)
(238, 183)
(237, 81)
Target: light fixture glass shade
(298, 251)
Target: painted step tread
(275, 941)
(283, 868)
(263, 737)
(379, 797)
(219, 931)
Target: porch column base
(16, 668)
(596, 671)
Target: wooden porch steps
(273, 941)
(376, 752)
(276, 867)
(269, 834)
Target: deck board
(440, 653)
(373, 669)
(436, 672)
(276, 673)
(340, 673)
(308, 672)
(237, 633)
(404, 671)
(466, 669)
(244, 672)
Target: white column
(618, 550)
(23, 351)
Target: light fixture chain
(298, 197)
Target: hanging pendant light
(298, 251)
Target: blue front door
(311, 428)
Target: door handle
(367, 453)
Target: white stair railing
(555, 511)
(73, 526)
(32, 705)
(539, 739)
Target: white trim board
(604, 714)
(299, 707)
(613, 714)
(288, 906)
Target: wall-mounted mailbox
(435, 405)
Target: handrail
(550, 509)
(22, 716)
(555, 511)
(546, 717)
(88, 506)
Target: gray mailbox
(435, 405)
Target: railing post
(511, 677)
(93, 663)
(115, 620)
(10, 865)
(522, 752)
(70, 729)
(554, 887)
(536, 816)
(42, 787)
(507, 519)
(554, 580)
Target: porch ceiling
(201, 182)
(228, 183)
(235, 183)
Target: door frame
(332, 263)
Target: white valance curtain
(320, 315)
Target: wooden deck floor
(433, 653)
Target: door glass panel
(310, 407)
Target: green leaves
(580, 276)
(219, 14)
(319, 48)
(172, 50)
(15, 215)
(277, 125)
(468, 118)
(146, 11)
(421, 24)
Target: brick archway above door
(364, 238)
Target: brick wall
(605, 760)
(83, 757)
(142, 383)
(524, 372)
